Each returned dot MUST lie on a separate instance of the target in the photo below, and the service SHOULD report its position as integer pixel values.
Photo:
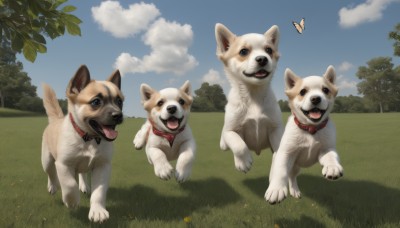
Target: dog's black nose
(315, 100)
(171, 109)
(261, 60)
(117, 117)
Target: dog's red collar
(310, 128)
(168, 136)
(84, 135)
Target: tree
(353, 104)
(24, 22)
(284, 105)
(209, 98)
(395, 35)
(378, 79)
(14, 83)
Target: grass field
(216, 195)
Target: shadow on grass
(352, 203)
(144, 203)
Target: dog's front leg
(141, 136)
(329, 160)
(241, 153)
(278, 186)
(100, 179)
(69, 186)
(185, 160)
(162, 168)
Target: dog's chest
(88, 157)
(254, 127)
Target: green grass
(7, 112)
(216, 195)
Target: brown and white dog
(253, 119)
(166, 133)
(81, 142)
(309, 134)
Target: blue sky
(165, 43)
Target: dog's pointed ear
(273, 35)
(224, 38)
(187, 88)
(330, 74)
(79, 81)
(146, 92)
(115, 78)
(290, 79)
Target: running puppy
(253, 118)
(166, 133)
(81, 142)
(309, 135)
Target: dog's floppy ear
(146, 92)
(224, 38)
(115, 78)
(79, 81)
(273, 35)
(330, 74)
(290, 79)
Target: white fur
(253, 118)
(299, 148)
(158, 150)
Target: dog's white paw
(139, 141)
(51, 188)
(295, 192)
(84, 188)
(182, 175)
(223, 145)
(164, 170)
(98, 213)
(71, 200)
(332, 172)
(244, 162)
(275, 194)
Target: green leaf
(71, 18)
(29, 51)
(41, 48)
(68, 9)
(38, 38)
(17, 43)
(73, 29)
(58, 3)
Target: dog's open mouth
(108, 132)
(314, 114)
(259, 74)
(172, 123)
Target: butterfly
(299, 26)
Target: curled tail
(51, 104)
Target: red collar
(168, 136)
(310, 128)
(84, 135)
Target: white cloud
(213, 77)
(343, 83)
(345, 66)
(169, 42)
(121, 22)
(369, 11)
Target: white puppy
(253, 118)
(309, 135)
(166, 132)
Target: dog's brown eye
(119, 102)
(160, 103)
(269, 50)
(181, 101)
(244, 52)
(95, 102)
(325, 90)
(303, 92)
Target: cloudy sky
(165, 43)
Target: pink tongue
(110, 133)
(261, 74)
(315, 115)
(172, 124)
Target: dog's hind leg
(49, 167)
(241, 153)
(83, 183)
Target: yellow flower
(187, 219)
